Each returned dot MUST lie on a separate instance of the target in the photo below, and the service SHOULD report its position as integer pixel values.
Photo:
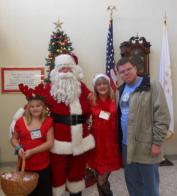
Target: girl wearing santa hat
(105, 157)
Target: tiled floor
(168, 183)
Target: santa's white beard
(65, 87)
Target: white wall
(26, 26)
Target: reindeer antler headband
(36, 93)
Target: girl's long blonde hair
(111, 94)
(28, 116)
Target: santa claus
(67, 98)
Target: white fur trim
(76, 130)
(60, 147)
(76, 134)
(64, 59)
(78, 72)
(100, 76)
(12, 128)
(58, 191)
(18, 114)
(64, 65)
(86, 144)
(75, 187)
(75, 107)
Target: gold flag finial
(58, 24)
(111, 8)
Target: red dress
(40, 160)
(106, 156)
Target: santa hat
(66, 60)
(98, 76)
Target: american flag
(110, 62)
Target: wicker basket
(23, 183)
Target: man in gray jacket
(143, 124)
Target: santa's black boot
(76, 194)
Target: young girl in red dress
(32, 139)
(106, 156)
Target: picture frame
(12, 76)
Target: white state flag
(165, 76)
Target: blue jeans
(141, 179)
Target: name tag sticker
(35, 134)
(104, 115)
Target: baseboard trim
(171, 157)
(8, 164)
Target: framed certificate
(11, 77)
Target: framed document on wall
(11, 77)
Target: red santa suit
(72, 141)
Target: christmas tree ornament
(58, 24)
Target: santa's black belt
(73, 119)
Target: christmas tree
(59, 44)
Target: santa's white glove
(16, 116)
